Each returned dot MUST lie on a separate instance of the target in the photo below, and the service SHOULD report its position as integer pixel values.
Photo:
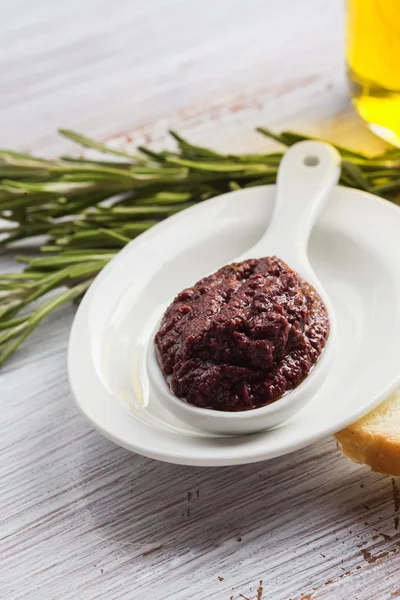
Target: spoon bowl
(246, 421)
(307, 174)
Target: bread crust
(364, 442)
(379, 453)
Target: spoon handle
(307, 173)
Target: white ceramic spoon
(307, 174)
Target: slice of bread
(374, 440)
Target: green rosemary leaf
(89, 143)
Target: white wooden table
(80, 517)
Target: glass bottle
(373, 64)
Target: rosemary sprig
(87, 209)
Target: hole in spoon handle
(308, 172)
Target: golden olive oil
(373, 61)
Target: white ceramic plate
(355, 250)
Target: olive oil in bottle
(373, 63)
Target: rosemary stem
(86, 209)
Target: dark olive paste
(242, 337)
